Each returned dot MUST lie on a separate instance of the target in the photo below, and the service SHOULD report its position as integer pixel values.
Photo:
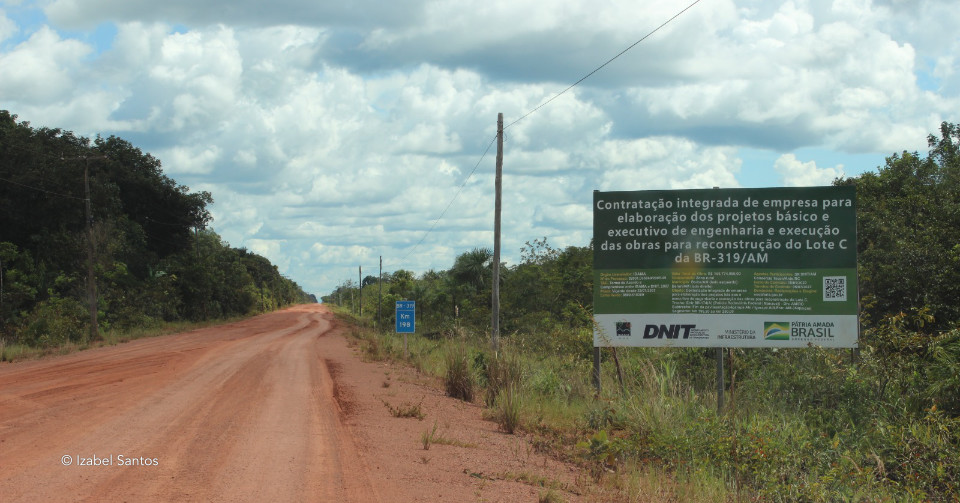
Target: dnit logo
(667, 331)
(776, 330)
(623, 329)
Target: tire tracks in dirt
(243, 412)
(279, 407)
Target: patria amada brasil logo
(776, 330)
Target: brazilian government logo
(776, 330)
(623, 329)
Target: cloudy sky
(332, 133)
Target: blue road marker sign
(406, 316)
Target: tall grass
(503, 371)
(14, 352)
(507, 408)
(458, 378)
(805, 425)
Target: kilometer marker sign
(406, 311)
(770, 267)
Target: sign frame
(406, 317)
(762, 267)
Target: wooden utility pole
(91, 250)
(498, 186)
(380, 295)
(91, 277)
(360, 275)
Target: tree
(401, 284)
(155, 259)
(909, 233)
(473, 267)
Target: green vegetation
(800, 425)
(155, 260)
(431, 437)
(458, 377)
(405, 410)
(549, 497)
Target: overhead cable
(531, 112)
(597, 69)
(42, 190)
(444, 212)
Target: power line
(42, 190)
(597, 69)
(444, 212)
(531, 112)
(155, 221)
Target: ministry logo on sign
(623, 329)
(776, 330)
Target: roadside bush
(920, 456)
(55, 321)
(555, 340)
(504, 371)
(458, 379)
(944, 389)
(799, 425)
(545, 381)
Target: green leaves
(908, 232)
(153, 259)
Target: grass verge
(800, 425)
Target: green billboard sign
(774, 267)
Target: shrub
(458, 379)
(55, 321)
(944, 372)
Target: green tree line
(809, 424)
(909, 277)
(908, 245)
(551, 289)
(155, 259)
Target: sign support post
(406, 321)
(596, 368)
(719, 356)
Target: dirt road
(274, 408)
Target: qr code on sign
(834, 288)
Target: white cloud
(666, 163)
(8, 28)
(41, 69)
(332, 133)
(805, 174)
(192, 159)
(272, 249)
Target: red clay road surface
(273, 408)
